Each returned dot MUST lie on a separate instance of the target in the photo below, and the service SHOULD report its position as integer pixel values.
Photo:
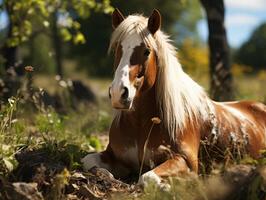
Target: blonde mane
(180, 100)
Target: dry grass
(64, 138)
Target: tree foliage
(29, 17)
(98, 29)
(82, 22)
(194, 58)
(253, 51)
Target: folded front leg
(105, 160)
(175, 166)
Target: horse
(162, 117)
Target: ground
(41, 148)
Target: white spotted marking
(214, 122)
(245, 133)
(240, 116)
(233, 138)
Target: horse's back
(243, 121)
(251, 109)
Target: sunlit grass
(64, 136)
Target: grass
(32, 128)
(248, 87)
(65, 137)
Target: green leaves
(65, 34)
(79, 38)
(29, 17)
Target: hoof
(152, 178)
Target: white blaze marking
(121, 78)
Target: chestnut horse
(149, 82)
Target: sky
(3, 19)
(241, 18)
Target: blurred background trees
(220, 67)
(253, 51)
(70, 38)
(51, 23)
(57, 19)
(61, 98)
(179, 18)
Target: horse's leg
(175, 166)
(106, 160)
(190, 152)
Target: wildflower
(11, 101)
(69, 83)
(14, 121)
(29, 69)
(58, 77)
(63, 84)
(156, 120)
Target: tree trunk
(10, 80)
(57, 45)
(220, 68)
(8, 52)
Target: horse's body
(149, 82)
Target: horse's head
(135, 60)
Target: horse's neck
(144, 108)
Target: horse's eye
(147, 52)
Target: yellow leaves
(46, 23)
(14, 41)
(20, 33)
(76, 25)
(15, 31)
(239, 70)
(262, 75)
(64, 176)
(107, 9)
(27, 27)
(79, 38)
(28, 16)
(59, 183)
(66, 35)
(193, 57)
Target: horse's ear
(154, 22)
(117, 18)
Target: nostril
(125, 93)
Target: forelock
(133, 24)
